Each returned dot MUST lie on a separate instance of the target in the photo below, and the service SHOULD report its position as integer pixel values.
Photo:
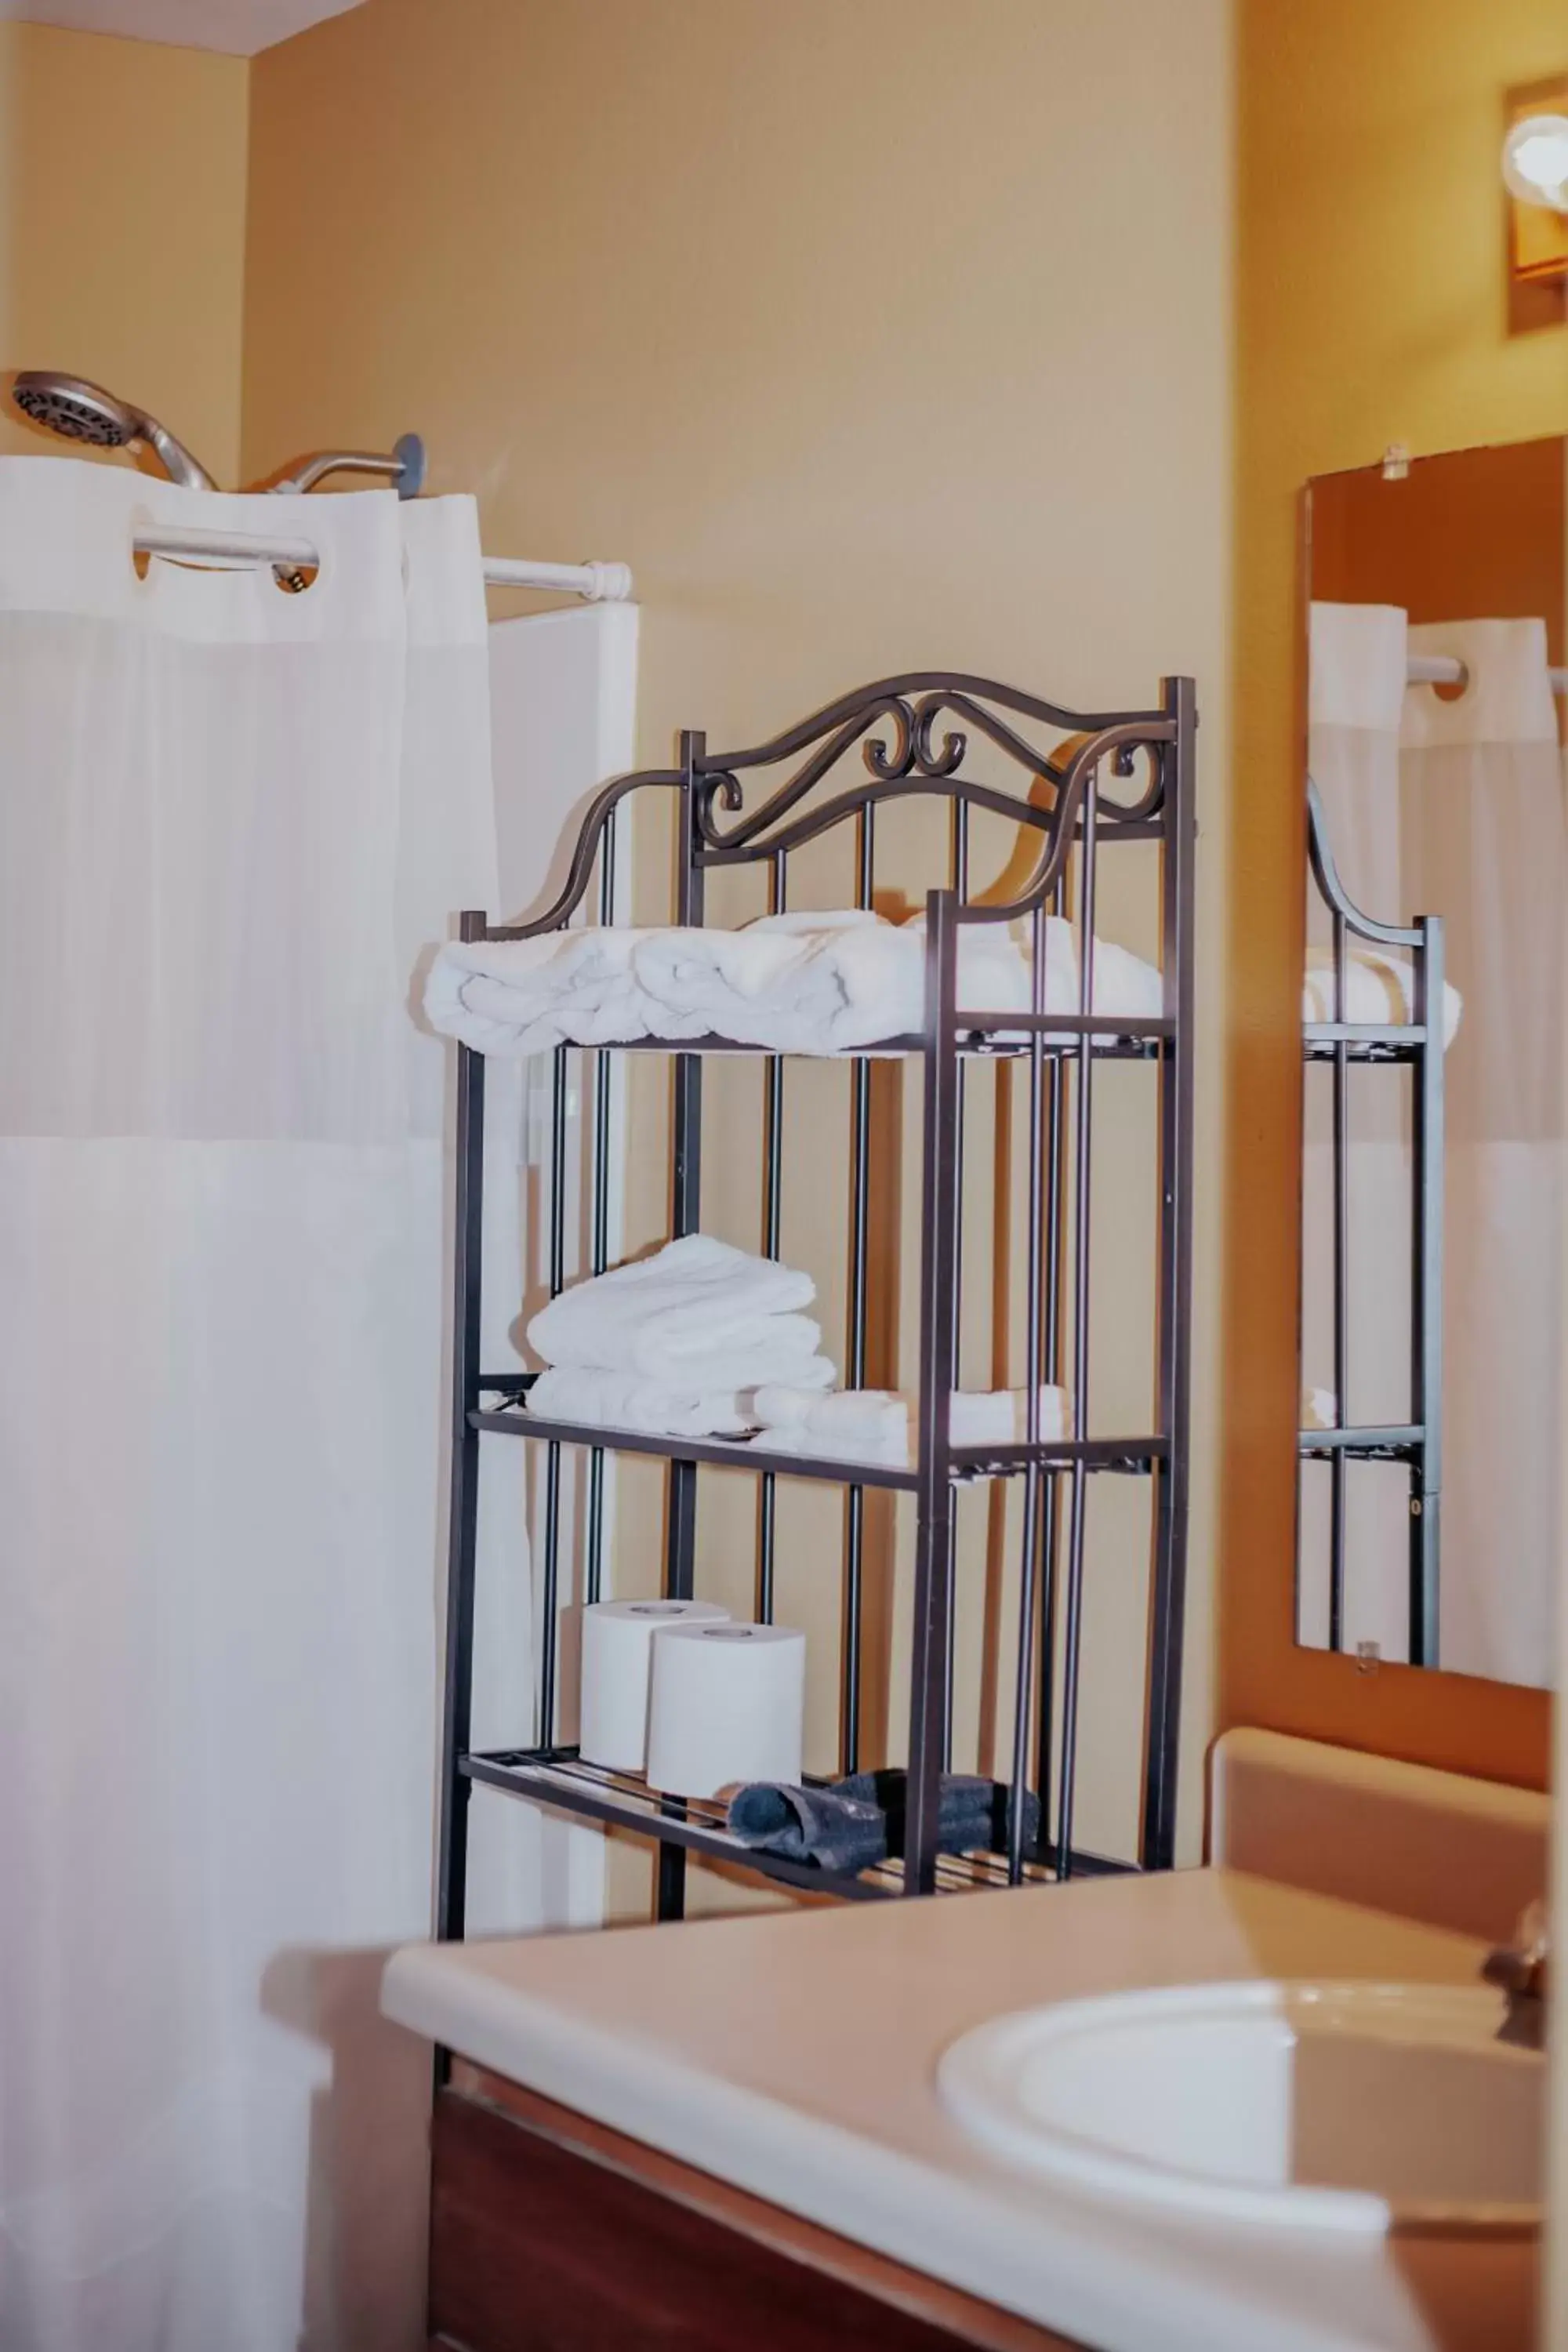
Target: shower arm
(404, 466)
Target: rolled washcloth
(1379, 988)
(855, 1823)
(804, 984)
(1320, 1409)
(517, 997)
(874, 1424)
(697, 1316)
(605, 1400)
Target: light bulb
(1535, 161)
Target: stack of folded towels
(877, 1424)
(705, 1340)
(675, 1344)
(806, 984)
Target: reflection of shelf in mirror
(1364, 1041)
(1376, 1442)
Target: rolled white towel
(877, 1424)
(996, 967)
(795, 982)
(839, 983)
(518, 997)
(620, 1400)
(807, 983)
(1380, 989)
(850, 1426)
(697, 1314)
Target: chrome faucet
(1523, 1970)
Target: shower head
(79, 411)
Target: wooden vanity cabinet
(551, 2233)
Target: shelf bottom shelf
(560, 1779)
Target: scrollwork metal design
(895, 723)
(906, 752)
(719, 777)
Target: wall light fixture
(1535, 175)
(1535, 161)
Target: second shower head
(79, 411)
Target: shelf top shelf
(512, 1419)
(995, 1035)
(1371, 1442)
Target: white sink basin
(1346, 2106)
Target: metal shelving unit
(1417, 1044)
(1075, 814)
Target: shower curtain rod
(596, 583)
(1447, 670)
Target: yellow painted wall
(1371, 310)
(123, 180)
(872, 336)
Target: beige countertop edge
(1034, 2258)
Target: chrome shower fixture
(79, 411)
(404, 467)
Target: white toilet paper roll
(727, 1703)
(617, 1639)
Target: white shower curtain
(1453, 804)
(1484, 844)
(228, 817)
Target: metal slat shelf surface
(1083, 784)
(558, 1778)
(1364, 1041)
(1129, 1454)
(995, 1035)
(1391, 1442)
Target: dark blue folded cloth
(824, 1826)
(852, 1824)
(973, 1813)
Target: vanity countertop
(792, 2053)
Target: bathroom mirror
(1430, 1480)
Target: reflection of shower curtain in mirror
(1457, 809)
(227, 817)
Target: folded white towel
(1379, 988)
(697, 1314)
(620, 1400)
(806, 983)
(875, 1424)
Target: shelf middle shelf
(1132, 1457)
